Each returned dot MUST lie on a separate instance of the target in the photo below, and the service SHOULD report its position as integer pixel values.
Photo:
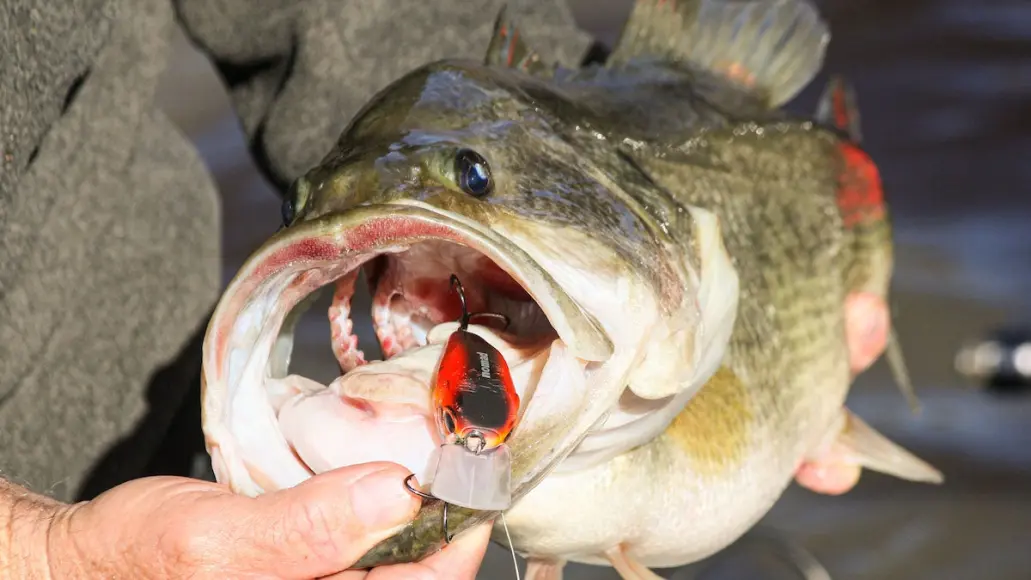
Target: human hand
(169, 527)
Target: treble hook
(456, 284)
(424, 495)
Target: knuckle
(314, 528)
(186, 547)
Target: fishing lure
(475, 405)
(474, 400)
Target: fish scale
(791, 270)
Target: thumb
(328, 522)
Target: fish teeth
(344, 341)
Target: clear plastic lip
(478, 481)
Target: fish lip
(353, 237)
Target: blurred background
(945, 91)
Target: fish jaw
(247, 393)
(674, 348)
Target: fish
(693, 278)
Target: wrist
(28, 535)
(24, 520)
(65, 557)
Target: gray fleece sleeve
(298, 71)
(109, 242)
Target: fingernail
(381, 501)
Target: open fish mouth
(267, 429)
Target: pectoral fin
(835, 467)
(899, 371)
(866, 447)
(627, 567)
(537, 569)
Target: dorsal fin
(771, 47)
(508, 49)
(838, 108)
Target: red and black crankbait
(474, 399)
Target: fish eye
(294, 201)
(288, 212)
(449, 419)
(473, 173)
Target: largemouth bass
(692, 278)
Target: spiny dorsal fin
(508, 49)
(838, 108)
(773, 47)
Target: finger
(867, 324)
(323, 525)
(463, 557)
(459, 560)
(828, 477)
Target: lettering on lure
(484, 365)
(473, 392)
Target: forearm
(26, 520)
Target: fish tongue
(402, 380)
(377, 412)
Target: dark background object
(999, 363)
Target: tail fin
(771, 47)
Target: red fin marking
(511, 47)
(842, 114)
(860, 196)
(737, 72)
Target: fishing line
(511, 547)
